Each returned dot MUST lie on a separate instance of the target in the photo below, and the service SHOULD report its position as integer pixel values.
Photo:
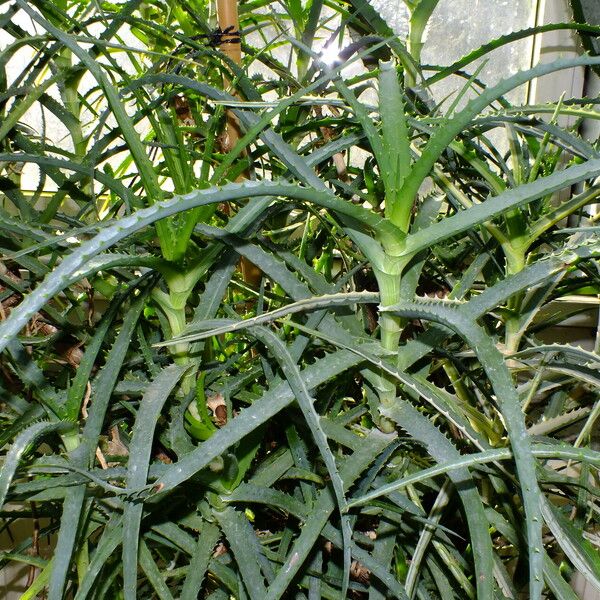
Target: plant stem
(390, 330)
(515, 262)
(180, 283)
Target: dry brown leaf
(216, 403)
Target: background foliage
(383, 412)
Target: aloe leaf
(326, 151)
(419, 18)
(497, 454)
(366, 121)
(435, 514)
(368, 561)
(18, 109)
(32, 376)
(111, 538)
(274, 467)
(579, 550)
(306, 403)
(559, 587)
(139, 459)
(396, 159)
(173, 533)
(252, 493)
(299, 453)
(383, 553)
(537, 228)
(374, 19)
(153, 573)
(240, 534)
(493, 207)
(508, 39)
(76, 392)
(74, 499)
(263, 409)
(312, 22)
(72, 510)
(199, 562)
(441, 449)
(507, 397)
(590, 376)
(305, 305)
(134, 144)
(551, 424)
(20, 446)
(322, 510)
(443, 135)
(73, 267)
(59, 163)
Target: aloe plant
(380, 417)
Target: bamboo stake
(227, 14)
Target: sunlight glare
(330, 55)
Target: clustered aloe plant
(378, 417)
